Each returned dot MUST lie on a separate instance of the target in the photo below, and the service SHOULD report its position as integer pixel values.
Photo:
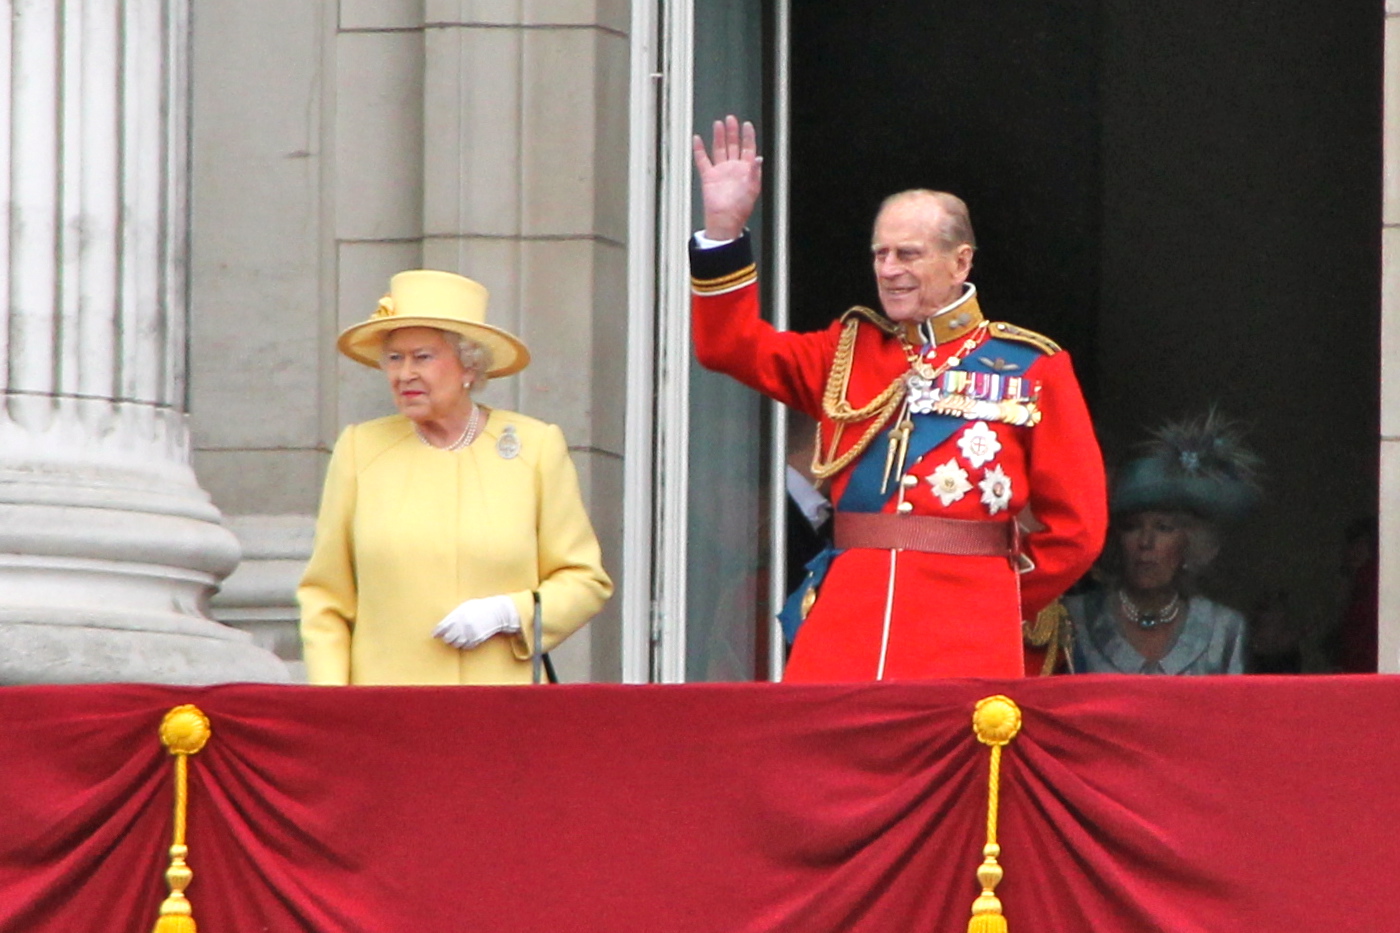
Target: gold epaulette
(1006, 331)
(858, 313)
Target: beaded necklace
(1150, 620)
(468, 433)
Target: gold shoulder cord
(835, 407)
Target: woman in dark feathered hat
(1167, 508)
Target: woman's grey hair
(476, 358)
(1202, 546)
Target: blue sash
(863, 492)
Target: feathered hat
(1198, 465)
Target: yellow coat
(407, 531)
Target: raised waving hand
(731, 177)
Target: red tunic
(929, 615)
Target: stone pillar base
(96, 647)
(106, 575)
(260, 596)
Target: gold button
(905, 508)
(910, 480)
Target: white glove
(476, 620)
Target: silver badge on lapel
(509, 444)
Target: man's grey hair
(956, 228)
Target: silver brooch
(509, 445)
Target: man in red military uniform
(936, 427)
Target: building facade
(543, 149)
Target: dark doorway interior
(1186, 196)
(943, 95)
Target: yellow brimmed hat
(429, 298)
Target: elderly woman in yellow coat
(438, 523)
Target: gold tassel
(183, 731)
(996, 720)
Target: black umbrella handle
(537, 654)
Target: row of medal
(975, 397)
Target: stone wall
(338, 143)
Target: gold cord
(879, 410)
(838, 381)
(825, 463)
(825, 467)
(184, 730)
(996, 720)
(1053, 630)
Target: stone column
(109, 549)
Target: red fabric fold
(1127, 804)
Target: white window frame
(656, 468)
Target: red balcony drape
(1127, 805)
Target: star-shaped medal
(979, 444)
(949, 482)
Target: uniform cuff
(722, 268)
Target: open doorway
(1187, 198)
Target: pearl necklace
(468, 433)
(1150, 620)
